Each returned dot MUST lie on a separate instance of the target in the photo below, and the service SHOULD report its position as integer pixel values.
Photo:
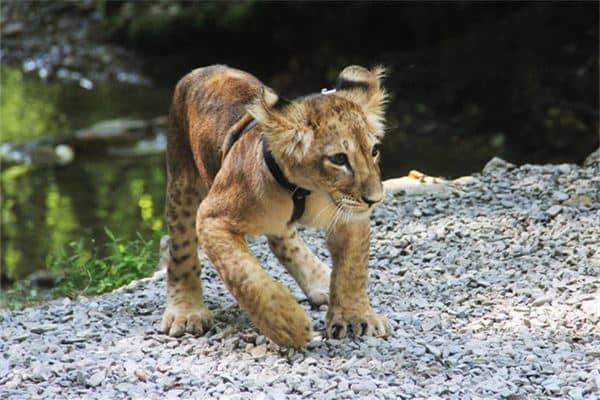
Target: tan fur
(224, 189)
(310, 273)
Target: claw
(167, 320)
(335, 331)
(176, 321)
(364, 327)
(368, 324)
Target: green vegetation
(84, 268)
(43, 209)
(22, 104)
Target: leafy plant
(84, 268)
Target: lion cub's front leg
(270, 305)
(348, 301)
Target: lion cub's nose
(370, 202)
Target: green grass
(84, 268)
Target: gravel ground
(493, 292)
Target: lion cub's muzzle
(372, 193)
(370, 202)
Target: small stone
(42, 328)
(260, 339)
(436, 352)
(73, 340)
(560, 196)
(258, 351)
(310, 361)
(554, 210)
(363, 387)
(96, 379)
(591, 307)
(552, 387)
(564, 168)
(541, 300)
(576, 393)
(4, 367)
(41, 373)
(140, 375)
(130, 367)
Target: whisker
(330, 224)
(334, 221)
(327, 207)
(347, 216)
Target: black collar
(298, 193)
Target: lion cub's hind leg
(310, 273)
(185, 311)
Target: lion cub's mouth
(350, 208)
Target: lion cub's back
(206, 103)
(217, 95)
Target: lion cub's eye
(339, 159)
(375, 151)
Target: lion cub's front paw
(366, 324)
(179, 319)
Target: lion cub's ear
(363, 87)
(284, 123)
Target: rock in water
(114, 131)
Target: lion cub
(241, 161)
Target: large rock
(122, 137)
(593, 159)
(418, 184)
(497, 164)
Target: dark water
(44, 208)
(524, 88)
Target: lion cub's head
(328, 142)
